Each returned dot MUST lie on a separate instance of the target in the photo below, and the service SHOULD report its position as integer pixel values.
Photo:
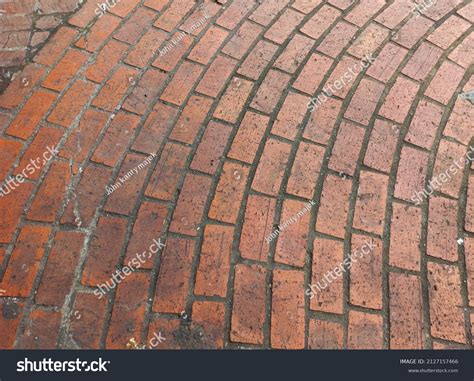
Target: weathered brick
(399, 100)
(99, 32)
(365, 331)
(424, 124)
(347, 148)
(382, 144)
(41, 331)
(233, 100)
(411, 174)
(442, 229)
(325, 335)
(216, 76)
(364, 101)
(183, 81)
(284, 26)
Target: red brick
(57, 278)
(446, 170)
(257, 227)
(442, 229)
(248, 138)
(371, 202)
(30, 115)
(422, 61)
(337, 39)
(406, 313)
(366, 273)
(461, 54)
(327, 296)
(469, 255)
(235, 13)
(469, 220)
(364, 101)
(305, 6)
(65, 70)
(173, 15)
(104, 253)
(86, 321)
(200, 18)
(241, 41)
(405, 237)
(189, 210)
(290, 117)
(284, 26)
(334, 206)
(399, 100)
(320, 126)
(183, 81)
(364, 11)
(267, 11)
(56, 46)
(83, 137)
(291, 245)
(444, 84)
(248, 308)
(130, 181)
(147, 227)
(287, 324)
(446, 311)
(84, 15)
(115, 140)
(271, 167)
(115, 88)
(129, 310)
(365, 331)
(191, 119)
(155, 129)
(134, 26)
(459, 123)
(46, 137)
(294, 54)
(167, 328)
(448, 32)
(368, 41)
(325, 335)
(99, 32)
(71, 103)
(233, 100)
(209, 317)
(211, 148)
(173, 52)
(41, 331)
(347, 148)
(387, 62)
(438, 10)
(88, 194)
(24, 262)
(411, 174)
(11, 208)
(216, 76)
(20, 86)
(164, 180)
(305, 171)
(107, 58)
(467, 12)
(270, 91)
(173, 281)
(382, 145)
(124, 8)
(145, 92)
(9, 149)
(214, 262)
(321, 21)
(258, 59)
(229, 192)
(395, 13)
(11, 312)
(51, 193)
(413, 31)
(144, 50)
(313, 73)
(424, 124)
(208, 45)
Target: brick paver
(306, 196)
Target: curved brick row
(203, 141)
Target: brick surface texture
(189, 168)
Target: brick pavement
(224, 108)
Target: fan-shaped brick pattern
(212, 166)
